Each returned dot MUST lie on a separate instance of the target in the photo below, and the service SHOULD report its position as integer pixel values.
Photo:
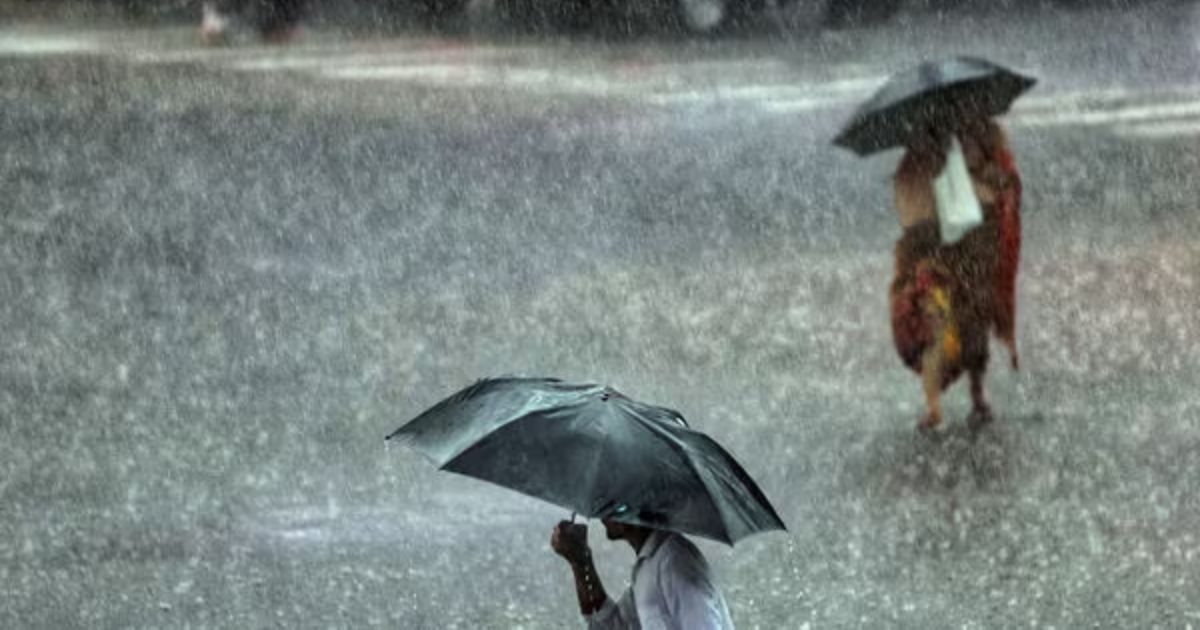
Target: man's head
(615, 530)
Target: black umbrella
(590, 449)
(931, 95)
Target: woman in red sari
(947, 299)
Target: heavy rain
(237, 255)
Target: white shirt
(672, 589)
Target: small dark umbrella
(934, 94)
(591, 450)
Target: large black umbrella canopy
(935, 94)
(589, 449)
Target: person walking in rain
(672, 585)
(958, 197)
(277, 21)
(638, 468)
(947, 297)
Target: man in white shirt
(672, 587)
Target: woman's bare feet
(929, 421)
(980, 416)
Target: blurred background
(232, 264)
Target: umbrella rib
(682, 450)
(456, 457)
(760, 495)
(463, 451)
(594, 476)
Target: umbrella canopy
(591, 450)
(935, 94)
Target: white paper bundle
(954, 194)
